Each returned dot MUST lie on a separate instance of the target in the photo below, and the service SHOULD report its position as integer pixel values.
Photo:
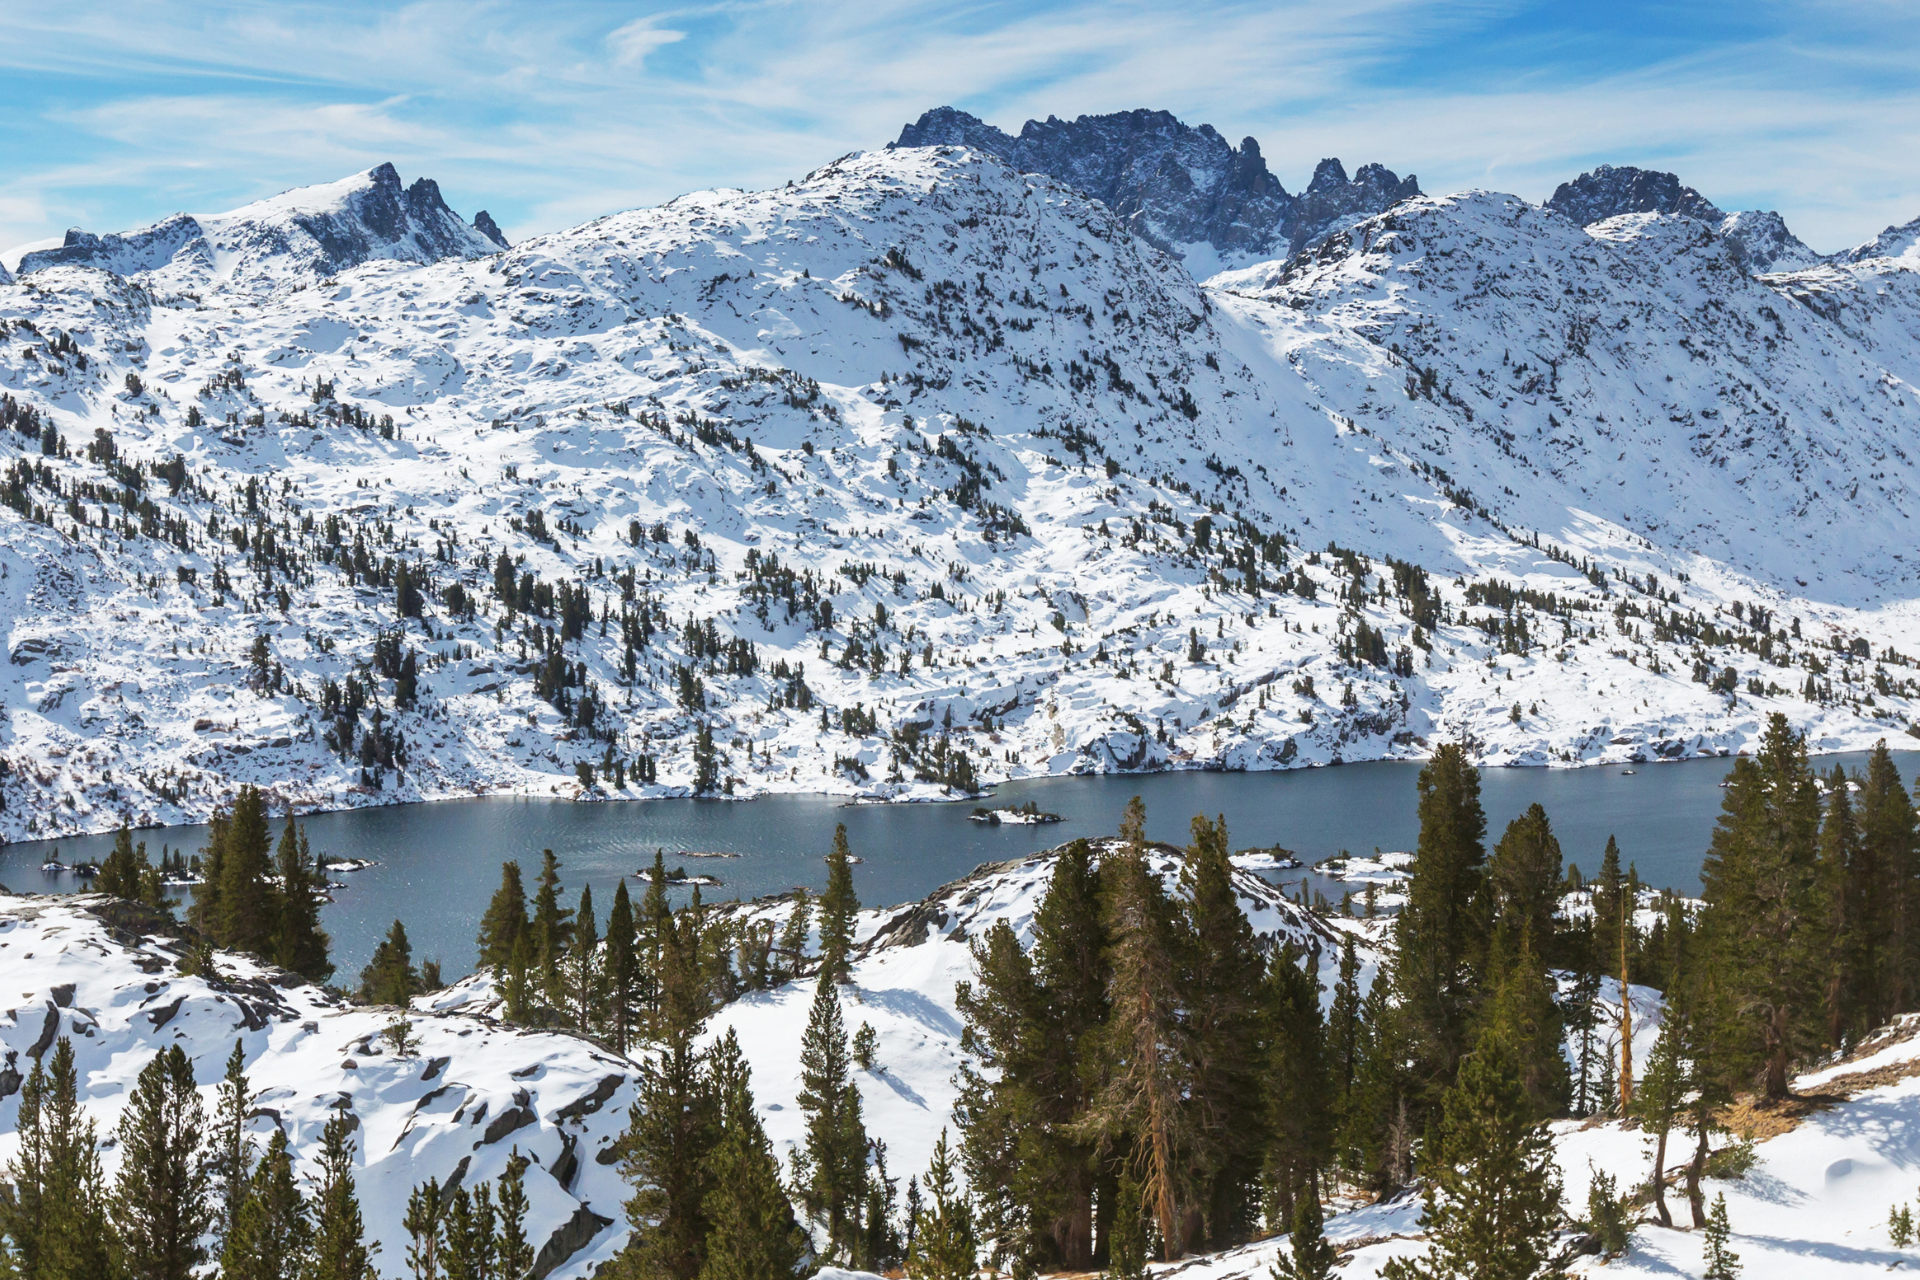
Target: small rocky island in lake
(1027, 814)
(679, 876)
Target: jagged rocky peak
(1181, 186)
(483, 223)
(1765, 243)
(1895, 242)
(1611, 190)
(302, 234)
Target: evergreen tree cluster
(253, 896)
(192, 1192)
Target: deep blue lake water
(439, 863)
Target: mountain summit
(1180, 187)
(304, 234)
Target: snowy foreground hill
(920, 473)
(1814, 1203)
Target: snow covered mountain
(924, 470)
(1186, 190)
(301, 235)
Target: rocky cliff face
(1611, 190)
(1179, 186)
(305, 234)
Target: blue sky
(549, 114)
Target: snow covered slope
(921, 458)
(88, 968)
(298, 236)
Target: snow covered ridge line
(923, 474)
(107, 975)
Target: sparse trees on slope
(53, 1212)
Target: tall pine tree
(340, 1251)
(838, 906)
(752, 1234)
(831, 1169)
(161, 1202)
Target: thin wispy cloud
(115, 114)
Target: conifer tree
(793, 936)
(838, 906)
(468, 1251)
(1223, 976)
(390, 977)
(1764, 919)
(1892, 909)
(513, 1252)
(1005, 1102)
(1657, 1103)
(1147, 1044)
(1722, 1262)
(1308, 1256)
(56, 1215)
(272, 1233)
(1440, 934)
(1522, 1003)
(340, 1251)
(831, 1169)
(752, 1234)
(584, 964)
(505, 921)
(622, 969)
(298, 943)
(230, 1160)
(425, 1207)
(1299, 1093)
(672, 1129)
(1524, 876)
(1493, 1196)
(1127, 1242)
(550, 929)
(120, 873)
(1844, 897)
(1343, 1023)
(1609, 904)
(247, 914)
(161, 1205)
(943, 1243)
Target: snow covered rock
(1179, 187)
(106, 975)
(1611, 190)
(301, 235)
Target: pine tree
(584, 972)
(1524, 876)
(1657, 1103)
(513, 1252)
(299, 943)
(943, 1243)
(831, 1169)
(230, 1161)
(340, 1251)
(120, 873)
(505, 921)
(247, 914)
(468, 1252)
(550, 930)
(1127, 1241)
(161, 1205)
(752, 1234)
(1765, 918)
(1309, 1256)
(1343, 1022)
(1722, 1262)
(1440, 934)
(1297, 1083)
(838, 906)
(1891, 912)
(1609, 905)
(272, 1232)
(793, 935)
(651, 925)
(1146, 1040)
(390, 977)
(672, 1129)
(425, 1207)
(56, 1215)
(1845, 894)
(1223, 976)
(1493, 1197)
(1522, 1002)
(622, 969)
